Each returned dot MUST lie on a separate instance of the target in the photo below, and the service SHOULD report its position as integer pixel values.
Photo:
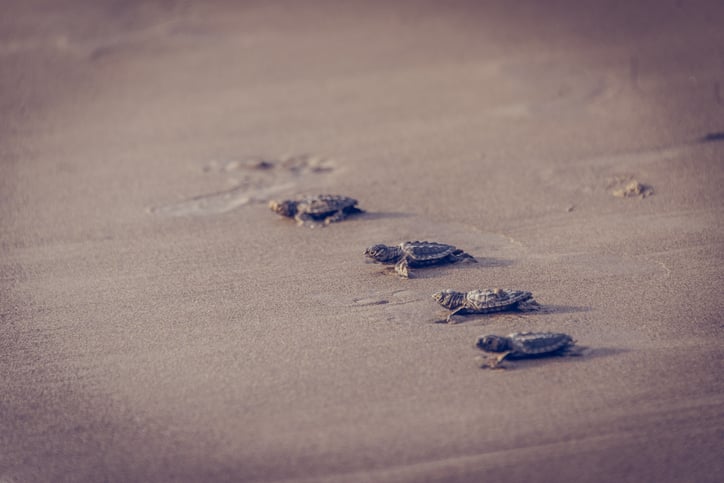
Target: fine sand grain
(159, 323)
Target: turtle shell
(320, 204)
(538, 343)
(425, 250)
(496, 298)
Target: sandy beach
(159, 323)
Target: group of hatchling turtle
(317, 210)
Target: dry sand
(158, 322)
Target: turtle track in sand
(255, 179)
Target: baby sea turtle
(307, 210)
(416, 254)
(484, 301)
(520, 345)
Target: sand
(159, 323)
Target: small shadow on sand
(595, 352)
(381, 215)
(493, 262)
(712, 137)
(578, 353)
(467, 319)
(440, 270)
(424, 272)
(459, 319)
(435, 272)
(562, 309)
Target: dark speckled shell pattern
(537, 343)
(321, 204)
(423, 251)
(494, 300)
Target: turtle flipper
(403, 268)
(305, 219)
(528, 306)
(450, 319)
(492, 361)
(460, 256)
(335, 217)
(353, 210)
(573, 351)
(500, 359)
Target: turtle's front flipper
(403, 269)
(305, 219)
(335, 217)
(450, 319)
(492, 361)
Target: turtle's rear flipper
(342, 214)
(460, 256)
(573, 351)
(335, 217)
(353, 210)
(528, 306)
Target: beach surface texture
(158, 322)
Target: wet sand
(158, 322)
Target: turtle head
(450, 299)
(493, 343)
(382, 253)
(285, 208)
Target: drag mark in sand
(397, 297)
(667, 270)
(398, 306)
(257, 180)
(220, 202)
(512, 240)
